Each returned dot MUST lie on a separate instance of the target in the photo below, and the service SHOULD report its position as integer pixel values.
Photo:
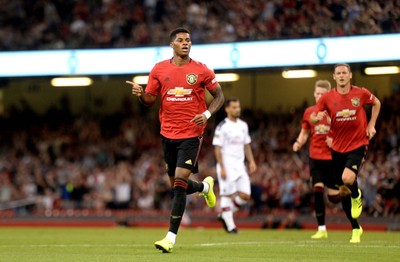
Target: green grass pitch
(205, 245)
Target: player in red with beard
(351, 134)
(180, 82)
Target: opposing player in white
(231, 146)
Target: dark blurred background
(97, 148)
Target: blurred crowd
(61, 161)
(66, 24)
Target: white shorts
(237, 180)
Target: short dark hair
(342, 64)
(176, 31)
(231, 100)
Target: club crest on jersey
(355, 101)
(191, 79)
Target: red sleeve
(320, 106)
(153, 85)
(210, 82)
(368, 97)
(305, 124)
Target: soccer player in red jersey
(351, 134)
(320, 158)
(180, 82)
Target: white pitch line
(353, 245)
(295, 243)
(266, 243)
(73, 245)
(245, 243)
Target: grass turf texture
(137, 244)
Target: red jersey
(349, 119)
(319, 149)
(182, 93)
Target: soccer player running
(320, 158)
(231, 146)
(351, 132)
(180, 82)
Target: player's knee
(243, 197)
(347, 180)
(334, 198)
(180, 185)
(318, 189)
(348, 177)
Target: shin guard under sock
(178, 204)
(346, 205)
(194, 186)
(319, 205)
(354, 189)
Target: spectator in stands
(54, 153)
(111, 24)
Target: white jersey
(231, 137)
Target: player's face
(182, 44)
(318, 92)
(233, 110)
(342, 76)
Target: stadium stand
(58, 24)
(113, 162)
(87, 162)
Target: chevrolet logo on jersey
(355, 101)
(191, 79)
(179, 91)
(321, 129)
(346, 113)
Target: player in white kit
(232, 146)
